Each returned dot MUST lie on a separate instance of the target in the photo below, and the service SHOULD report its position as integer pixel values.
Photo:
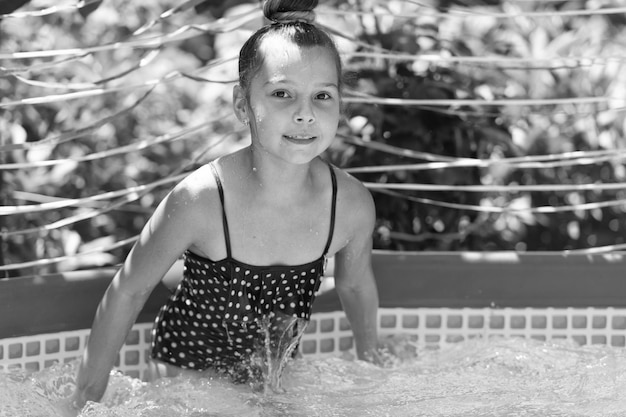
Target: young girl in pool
(255, 226)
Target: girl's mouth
(300, 139)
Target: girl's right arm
(172, 229)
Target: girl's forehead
(276, 48)
(281, 58)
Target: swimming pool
(459, 322)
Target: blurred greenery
(135, 110)
(494, 132)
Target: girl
(255, 226)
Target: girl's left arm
(354, 278)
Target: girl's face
(293, 102)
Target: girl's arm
(166, 235)
(354, 278)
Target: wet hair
(291, 20)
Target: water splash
(35, 394)
(282, 334)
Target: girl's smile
(300, 139)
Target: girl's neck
(275, 177)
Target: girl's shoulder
(197, 192)
(355, 204)
(198, 183)
(351, 188)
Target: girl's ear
(240, 104)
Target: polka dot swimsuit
(212, 320)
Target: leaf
(9, 6)
(89, 8)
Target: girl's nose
(304, 114)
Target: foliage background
(552, 55)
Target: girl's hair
(292, 21)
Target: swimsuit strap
(333, 177)
(224, 221)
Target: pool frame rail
(68, 301)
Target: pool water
(496, 377)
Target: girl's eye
(323, 96)
(280, 94)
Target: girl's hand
(67, 407)
(391, 351)
(376, 357)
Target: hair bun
(283, 11)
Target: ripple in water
(478, 378)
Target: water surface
(498, 377)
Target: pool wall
(431, 298)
